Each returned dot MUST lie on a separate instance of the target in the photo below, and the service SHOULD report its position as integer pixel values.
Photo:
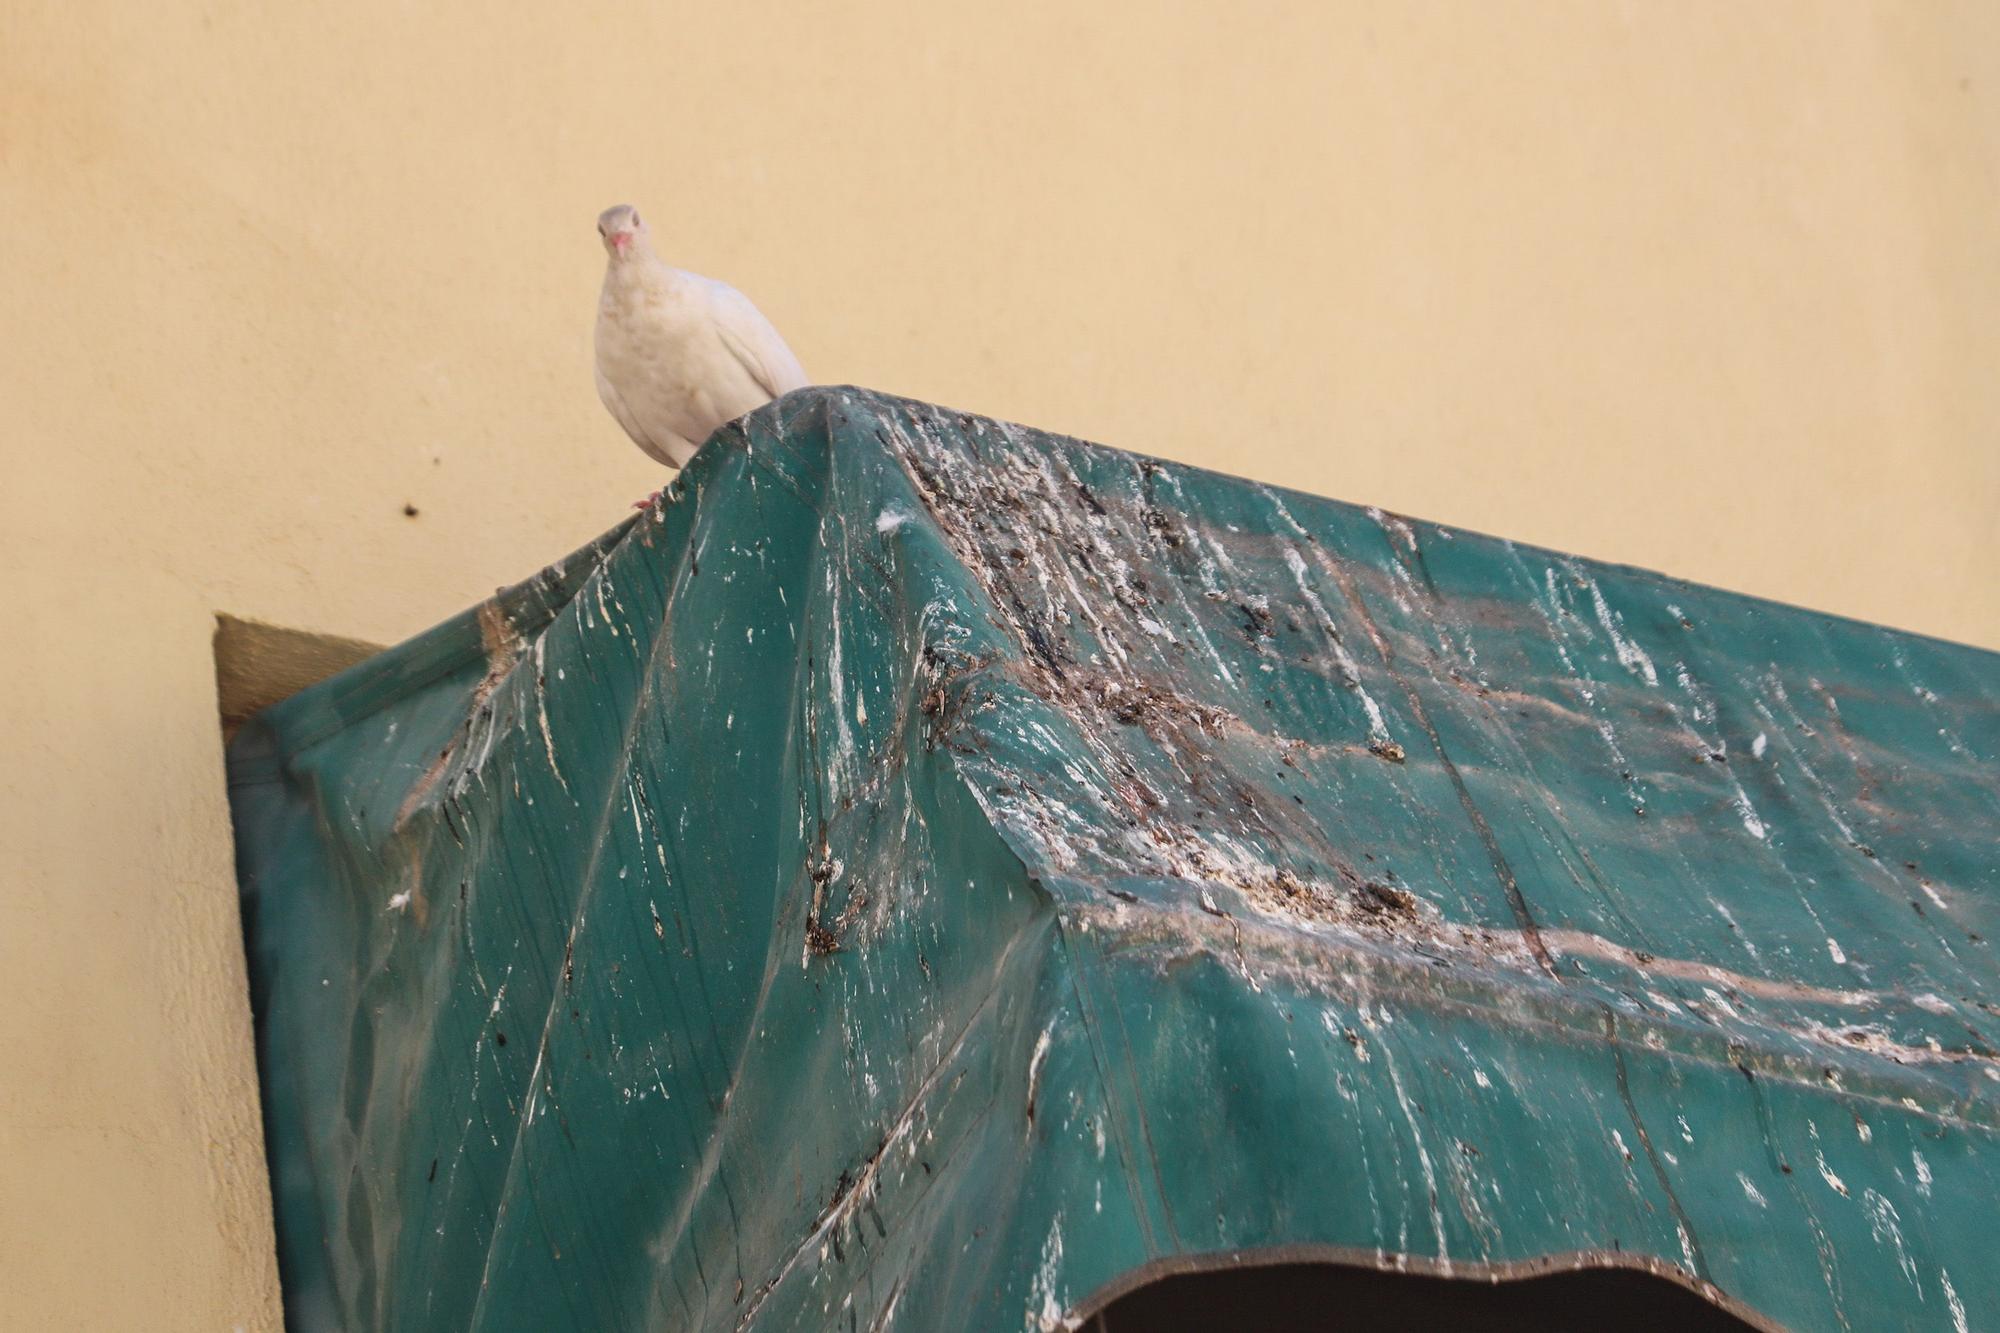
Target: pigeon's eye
(635, 219)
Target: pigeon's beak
(620, 239)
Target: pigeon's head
(621, 230)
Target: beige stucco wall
(1708, 287)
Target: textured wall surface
(1676, 284)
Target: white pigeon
(679, 354)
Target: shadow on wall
(1320, 1297)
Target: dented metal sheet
(926, 871)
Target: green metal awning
(926, 872)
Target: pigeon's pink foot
(649, 501)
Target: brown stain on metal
(1581, 944)
(1450, 966)
(1006, 535)
(502, 648)
(1504, 872)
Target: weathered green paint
(927, 869)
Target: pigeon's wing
(607, 393)
(663, 452)
(753, 342)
